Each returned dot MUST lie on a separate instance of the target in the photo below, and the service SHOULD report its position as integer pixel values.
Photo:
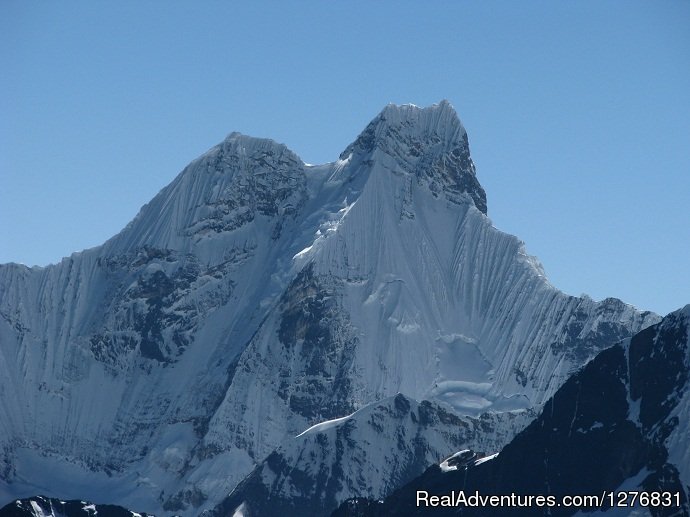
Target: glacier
(256, 296)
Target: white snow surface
(486, 458)
(446, 467)
(324, 426)
(432, 301)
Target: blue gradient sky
(578, 115)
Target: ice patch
(239, 511)
(445, 464)
(474, 388)
(485, 459)
(464, 396)
(323, 426)
(303, 252)
(37, 509)
(453, 338)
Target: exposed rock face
(369, 453)
(256, 296)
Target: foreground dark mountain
(46, 507)
(621, 423)
(256, 296)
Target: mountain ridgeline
(263, 326)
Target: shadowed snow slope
(256, 296)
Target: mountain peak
(438, 122)
(239, 144)
(430, 143)
(229, 186)
(440, 118)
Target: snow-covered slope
(620, 424)
(256, 296)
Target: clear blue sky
(578, 115)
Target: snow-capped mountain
(618, 425)
(256, 296)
